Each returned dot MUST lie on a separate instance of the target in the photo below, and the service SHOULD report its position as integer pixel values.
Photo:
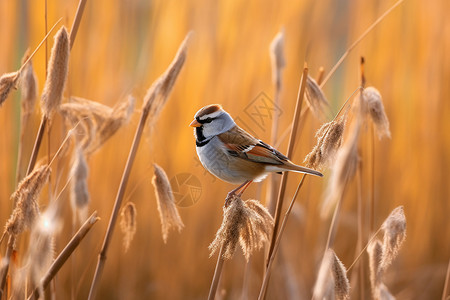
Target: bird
(233, 155)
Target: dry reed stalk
(375, 109)
(79, 193)
(446, 283)
(293, 136)
(358, 40)
(375, 252)
(159, 89)
(263, 290)
(394, 228)
(128, 224)
(165, 201)
(315, 98)
(57, 74)
(65, 254)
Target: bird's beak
(195, 123)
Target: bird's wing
(241, 144)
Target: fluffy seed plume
(375, 110)
(329, 139)
(375, 252)
(343, 170)
(98, 122)
(58, 67)
(157, 94)
(7, 82)
(315, 98)
(277, 58)
(168, 211)
(248, 223)
(27, 209)
(128, 224)
(394, 228)
(332, 281)
(79, 194)
(29, 88)
(341, 283)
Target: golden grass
(228, 63)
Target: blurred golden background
(123, 46)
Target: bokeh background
(122, 46)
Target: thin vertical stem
(296, 121)
(120, 193)
(37, 145)
(217, 275)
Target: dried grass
(79, 193)
(167, 209)
(29, 89)
(375, 109)
(128, 224)
(7, 82)
(27, 209)
(277, 58)
(394, 228)
(58, 68)
(247, 223)
(315, 98)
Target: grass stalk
(292, 139)
(358, 40)
(447, 282)
(217, 274)
(4, 270)
(120, 194)
(263, 290)
(360, 229)
(65, 254)
(76, 22)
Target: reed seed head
(58, 68)
(324, 287)
(79, 193)
(344, 169)
(248, 223)
(27, 209)
(7, 82)
(375, 252)
(165, 201)
(341, 283)
(329, 139)
(394, 228)
(29, 88)
(277, 58)
(157, 94)
(375, 109)
(128, 224)
(315, 98)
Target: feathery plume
(168, 212)
(375, 109)
(29, 88)
(98, 122)
(248, 223)
(119, 116)
(27, 209)
(128, 224)
(344, 169)
(329, 139)
(315, 98)
(58, 67)
(157, 94)
(277, 58)
(394, 228)
(375, 252)
(341, 283)
(79, 194)
(7, 82)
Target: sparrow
(232, 154)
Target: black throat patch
(201, 139)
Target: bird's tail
(296, 168)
